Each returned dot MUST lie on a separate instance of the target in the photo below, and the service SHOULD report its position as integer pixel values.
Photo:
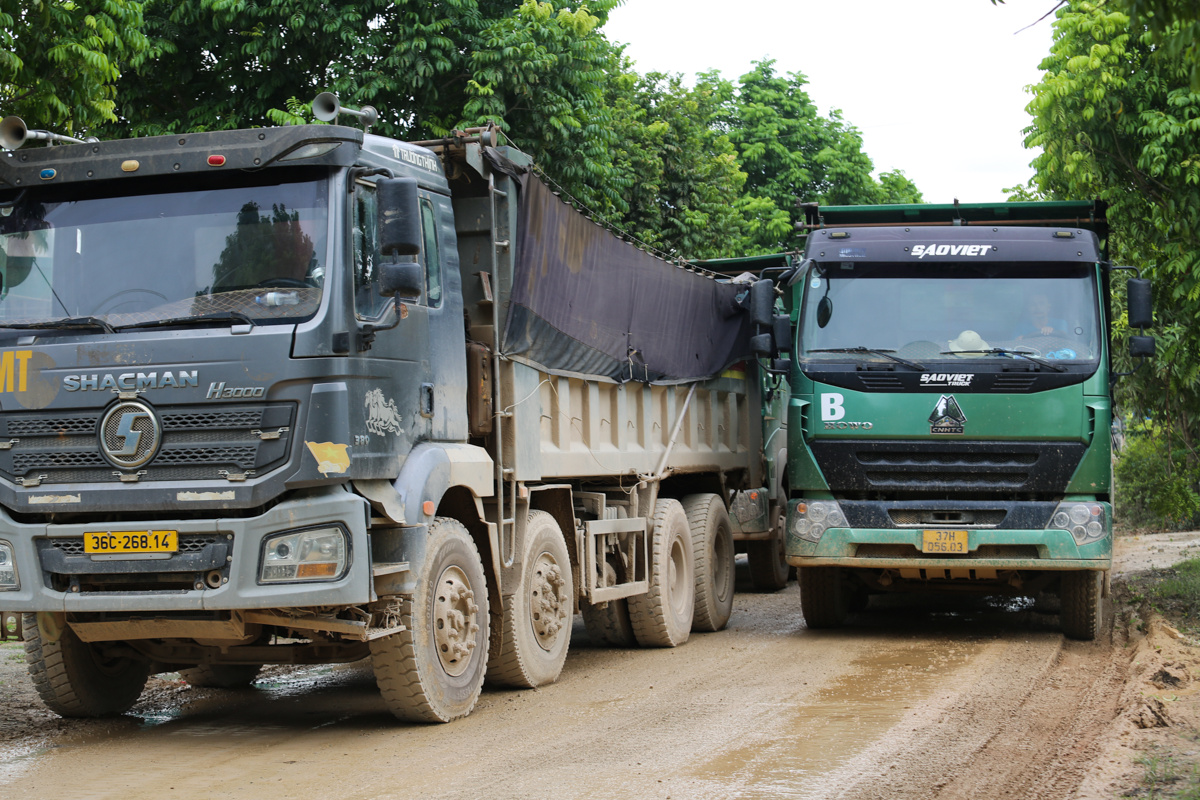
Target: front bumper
(236, 542)
(989, 549)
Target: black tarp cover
(585, 302)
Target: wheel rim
(547, 601)
(722, 559)
(454, 621)
(677, 577)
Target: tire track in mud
(1027, 725)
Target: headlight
(8, 568)
(812, 519)
(318, 554)
(1085, 521)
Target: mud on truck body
(951, 405)
(307, 395)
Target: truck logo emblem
(947, 417)
(129, 434)
(947, 379)
(968, 250)
(382, 416)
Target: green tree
(1116, 119)
(59, 60)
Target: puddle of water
(842, 719)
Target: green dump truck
(951, 404)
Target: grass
(1165, 778)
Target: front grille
(199, 443)
(989, 518)
(877, 383)
(941, 469)
(1013, 383)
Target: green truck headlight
(316, 554)
(1085, 521)
(812, 519)
(8, 568)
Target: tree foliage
(714, 169)
(1116, 119)
(59, 60)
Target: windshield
(252, 244)
(949, 312)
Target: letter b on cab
(832, 407)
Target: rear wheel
(663, 616)
(608, 624)
(221, 676)
(73, 677)
(537, 617)
(1082, 614)
(822, 598)
(433, 670)
(712, 554)
(769, 570)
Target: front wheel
(537, 617)
(433, 670)
(769, 570)
(73, 678)
(1081, 614)
(822, 597)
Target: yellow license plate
(944, 542)
(109, 542)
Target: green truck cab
(950, 416)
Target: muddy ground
(915, 698)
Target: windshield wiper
(67, 323)
(220, 316)
(1000, 351)
(884, 353)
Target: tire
(822, 598)
(608, 624)
(221, 676)
(712, 559)
(74, 680)
(663, 616)
(769, 570)
(1082, 614)
(537, 617)
(433, 670)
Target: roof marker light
(129, 166)
(216, 161)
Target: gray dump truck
(308, 395)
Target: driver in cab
(1038, 321)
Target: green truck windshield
(924, 312)
(249, 246)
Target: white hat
(968, 340)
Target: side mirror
(401, 280)
(1139, 304)
(783, 333)
(399, 216)
(1142, 346)
(781, 365)
(762, 303)
(824, 312)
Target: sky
(936, 87)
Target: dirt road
(918, 698)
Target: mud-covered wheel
(221, 676)
(712, 554)
(769, 570)
(822, 597)
(1082, 614)
(74, 678)
(608, 624)
(663, 616)
(433, 671)
(537, 617)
